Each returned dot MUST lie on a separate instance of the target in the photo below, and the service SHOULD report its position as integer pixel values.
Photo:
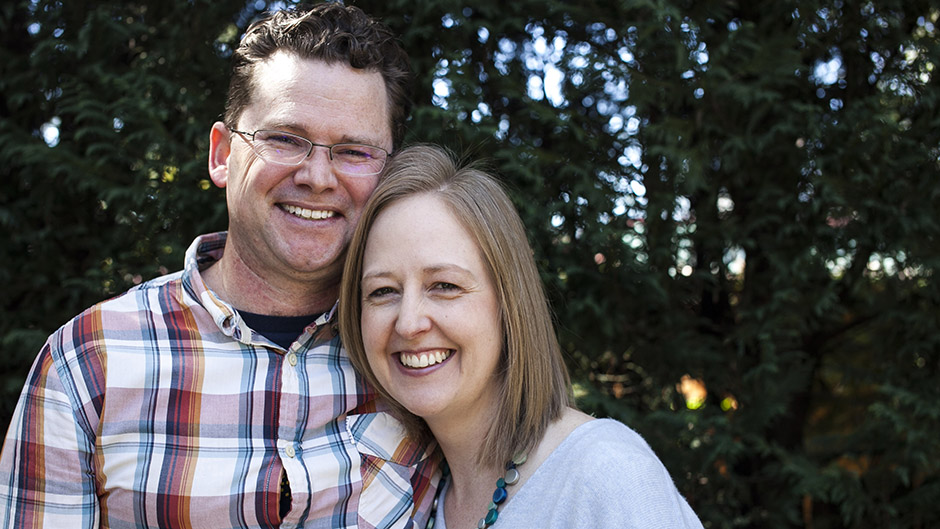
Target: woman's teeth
(418, 360)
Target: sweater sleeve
(603, 475)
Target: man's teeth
(308, 213)
(424, 359)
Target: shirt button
(292, 359)
(290, 451)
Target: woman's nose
(413, 318)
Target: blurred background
(733, 205)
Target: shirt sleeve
(398, 474)
(47, 476)
(424, 483)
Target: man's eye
(287, 140)
(352, 152)
(282, 139)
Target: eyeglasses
(284, 148)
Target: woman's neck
(461, 441)
(471, 485)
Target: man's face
(293, 223)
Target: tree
(104, 111)
(729, 197)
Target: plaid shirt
(161, 408)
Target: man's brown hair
(329, 32)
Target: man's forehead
(300, 94)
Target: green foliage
(704, 196)
(124, 93)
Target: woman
(442, 309)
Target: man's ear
(220, 146)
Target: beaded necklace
(499, 495)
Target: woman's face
(430, 312)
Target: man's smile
(305, 213)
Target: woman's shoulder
(603, 473)
(602, 444)
(606, 452)
(580, 446)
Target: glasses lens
(357, 159)
(281, 147)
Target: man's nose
(316, 171)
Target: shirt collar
(202, 253)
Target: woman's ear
(220, 146)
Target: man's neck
(237, 284)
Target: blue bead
(499, 495)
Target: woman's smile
(423, 359)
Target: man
(219, 396)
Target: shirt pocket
(388, 461)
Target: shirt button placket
(288, 398)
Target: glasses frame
(329, 148)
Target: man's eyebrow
(360, 140)
(301, 131)
(284, 127)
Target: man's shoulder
(157, 282)
(136, 300)
(143, 306)
(131, 297)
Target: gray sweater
(602, 475)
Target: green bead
(500, 494)
(492, 516)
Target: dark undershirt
(282, 330)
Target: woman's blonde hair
(534, 387)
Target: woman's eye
(448, 287)
(380, 292)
